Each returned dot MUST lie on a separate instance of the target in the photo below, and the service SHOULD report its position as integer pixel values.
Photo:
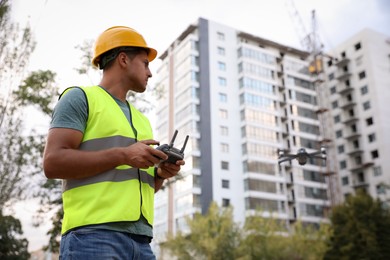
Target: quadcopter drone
(302, 155)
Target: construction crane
(312, 43)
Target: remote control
(173, 153)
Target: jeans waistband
(141, 238)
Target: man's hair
(107, 58)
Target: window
(377, 171)
(364, 90)
(343, 164)
(225, 203)
(335, 104)
(351, 112)
(224, 165)
(222, 81)
(339, 133)
(360, 177)
(374, 154)
(224, 148)
(221, 51)
(380, 189)
(358, 160)
(225, 184)
(371, 138)
(369, 121)
(221, 66)
(221, 36)
(336, 119)
(340, 148)
(333, 90)
(331, 76)
(353, 128)
(362, 75)
(345, 180)
(223, 113)
(222, 97)
(224, 131)
(358, 46)
(355, 144)
(366, 105)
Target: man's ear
(122, 58)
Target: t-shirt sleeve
(71, 111)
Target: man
(102, 148)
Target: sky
(60, 25)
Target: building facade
(358, 80)
(242, 98)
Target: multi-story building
(358, 82)
(242, 98)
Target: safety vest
(120, 194)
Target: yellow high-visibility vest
(120, 194)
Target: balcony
(352, 136)
(350, 120)
(355, 151)
(359, 184)
(344, 61)
(360, 167)
(344, 90)
(344, 75)
(347, 104)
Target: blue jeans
(96, 244)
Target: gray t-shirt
(71, 111)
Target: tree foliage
(213, 236)
(20, 149)
(16, 46)
(12, 246)
(216, 236)
(361, 229)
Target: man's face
(138, 72)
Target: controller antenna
(173, 139)
(184, 145)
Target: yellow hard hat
(119, 36)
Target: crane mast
(312, 43)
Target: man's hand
(167, 170)
(142, 155)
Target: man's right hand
(143, 155)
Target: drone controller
(173, 153)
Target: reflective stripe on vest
(120, 194)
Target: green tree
(212, 236)
(20, 148)
(360, 229)
(12, 246)
(262, 239)
(16, 46)
(269, 238)
(216, 236)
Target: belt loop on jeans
(141, 238)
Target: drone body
(302, 155)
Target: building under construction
(242, 98)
